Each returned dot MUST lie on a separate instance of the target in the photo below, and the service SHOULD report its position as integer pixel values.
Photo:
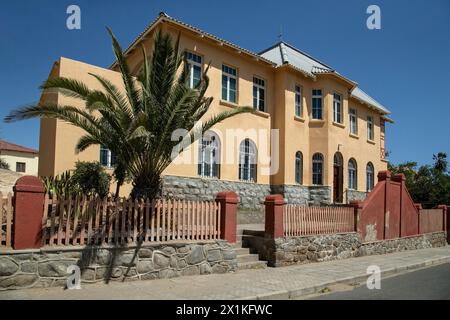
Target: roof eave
(383, 112)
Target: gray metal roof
(283, 53)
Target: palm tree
(137, 123)
(440, 161)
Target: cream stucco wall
(30, 160)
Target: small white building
(20, 159)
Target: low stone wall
(251, 195)
(48, 267)
(355, 195)
(428, 240)
(297, 250)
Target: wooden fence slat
(76, 210)
(169, 218)
(153, 214)
(60, 220)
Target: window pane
(224, 87)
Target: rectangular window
(370, 128)
(337, 110)
(298, 101)
(259, 93)
(107, 158)
(317, 104)
(229, 81)
(20, 166)
(353, 121)
(194, 63)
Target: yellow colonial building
(314, 137)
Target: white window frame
(370, 133)
(230, 76)
(209, 149)
(353, 120)
(316, 96)
(370, 182)
(352, 175)
(317, 174)
(257, 84)
(337, 108)
(108, 157)
(247, 158)
(298, 101)
(191, 64)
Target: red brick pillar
(28, 212)
(274, 216)
(357, 206)
(402, 180)
(228, 215)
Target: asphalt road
(424, 284)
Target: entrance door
(338, 178)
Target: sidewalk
(271, 283)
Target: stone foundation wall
(320, 195)
(355, 195)
(48, 267)
(251, 195)
(293, 194)
(306, 249)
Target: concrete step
(252, 265)
(241, 251)
(247, 258)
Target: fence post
(274, 216)
(444, 216)
(418, 206)
(228, 215)
(357, 206)
(386, 176)
(28, 212)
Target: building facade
(20, 159)
(314, 136)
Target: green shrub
(59, 185)
(90, 177)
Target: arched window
(247, 161)
(317, 169)
(369, 177)
(352, 174)
(209, 156)
(299, 167)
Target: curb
(301, 292)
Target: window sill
(299, 119)
(371, 141)
(228, 104)
(353, 135)
(316, 122)
(337, 124)
(261, 114)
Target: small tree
(440, 162)
(90, 177)
(4, 164)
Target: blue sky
(405, 65)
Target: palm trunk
(147, 187)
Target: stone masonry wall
(293, 194)
(48, 267)
(355, 195)
(306, 249)
(251, 195)
(319, 195)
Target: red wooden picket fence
(302, 220)
(82, 220)
(6, 218)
